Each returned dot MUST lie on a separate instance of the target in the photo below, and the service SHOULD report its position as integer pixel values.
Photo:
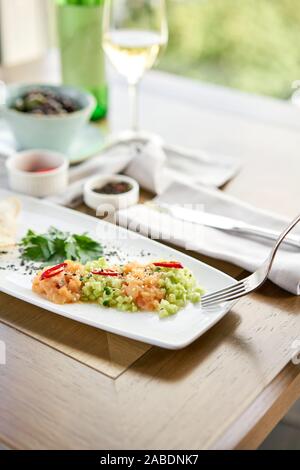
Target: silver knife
(220, 222)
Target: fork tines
(225, 295)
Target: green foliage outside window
(252, 45)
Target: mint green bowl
(55, 132)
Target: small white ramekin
(108, 203)
(23, 180)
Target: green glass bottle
(79, 25)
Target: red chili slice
(169, 264)
(59, 268)
(106, 273)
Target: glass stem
(133, 96)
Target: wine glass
(134, 33)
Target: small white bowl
(24, 176)
(108, 203)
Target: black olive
(47, 102)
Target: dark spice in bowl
(113, 187)
(45, 102)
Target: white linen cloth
(151, 162)
(153, 165)
(238, 249)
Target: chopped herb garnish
(56, 246)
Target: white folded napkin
(238, 249)
(154, 165)
(151, 162)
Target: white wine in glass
(134, 32)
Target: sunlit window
(252, 45)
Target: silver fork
(250, 283)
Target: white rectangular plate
(173, 333)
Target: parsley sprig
(56, 246)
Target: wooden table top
(66, 385)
